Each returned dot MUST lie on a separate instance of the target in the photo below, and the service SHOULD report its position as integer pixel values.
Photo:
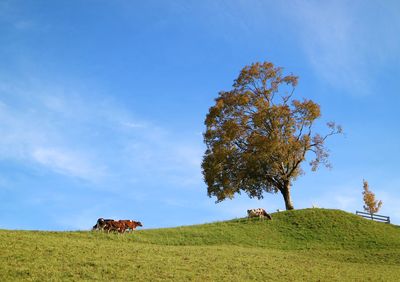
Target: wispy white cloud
(161, 155)
(341, 194)
(32, 134)
(66, 162)
(131, 124)
(91, 137)
(327, 31)
(11, 17)
(24, 25)
(343, 44)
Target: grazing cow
(261, 213)
(115, 226)
(131, 224)
(101, 224)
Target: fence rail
(376, 217)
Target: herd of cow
(121, 226)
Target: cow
(101, 224)
(114, 225)
(260, 213)
(131, 224)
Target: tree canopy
(257, 135)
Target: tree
(371, 205)
(257, 136)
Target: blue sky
(102, 104)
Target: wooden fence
(375, 217)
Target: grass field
(300, 245)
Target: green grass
(301, 245)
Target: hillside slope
(300, 245)
(297, 229)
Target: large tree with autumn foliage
(257, 136)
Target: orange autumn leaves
(371, 205)
(257, 135)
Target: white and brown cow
(101, 224)
(260, 213)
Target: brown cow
(115, 226)
(131, 224)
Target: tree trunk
(285, 190)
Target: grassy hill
(300, 245)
